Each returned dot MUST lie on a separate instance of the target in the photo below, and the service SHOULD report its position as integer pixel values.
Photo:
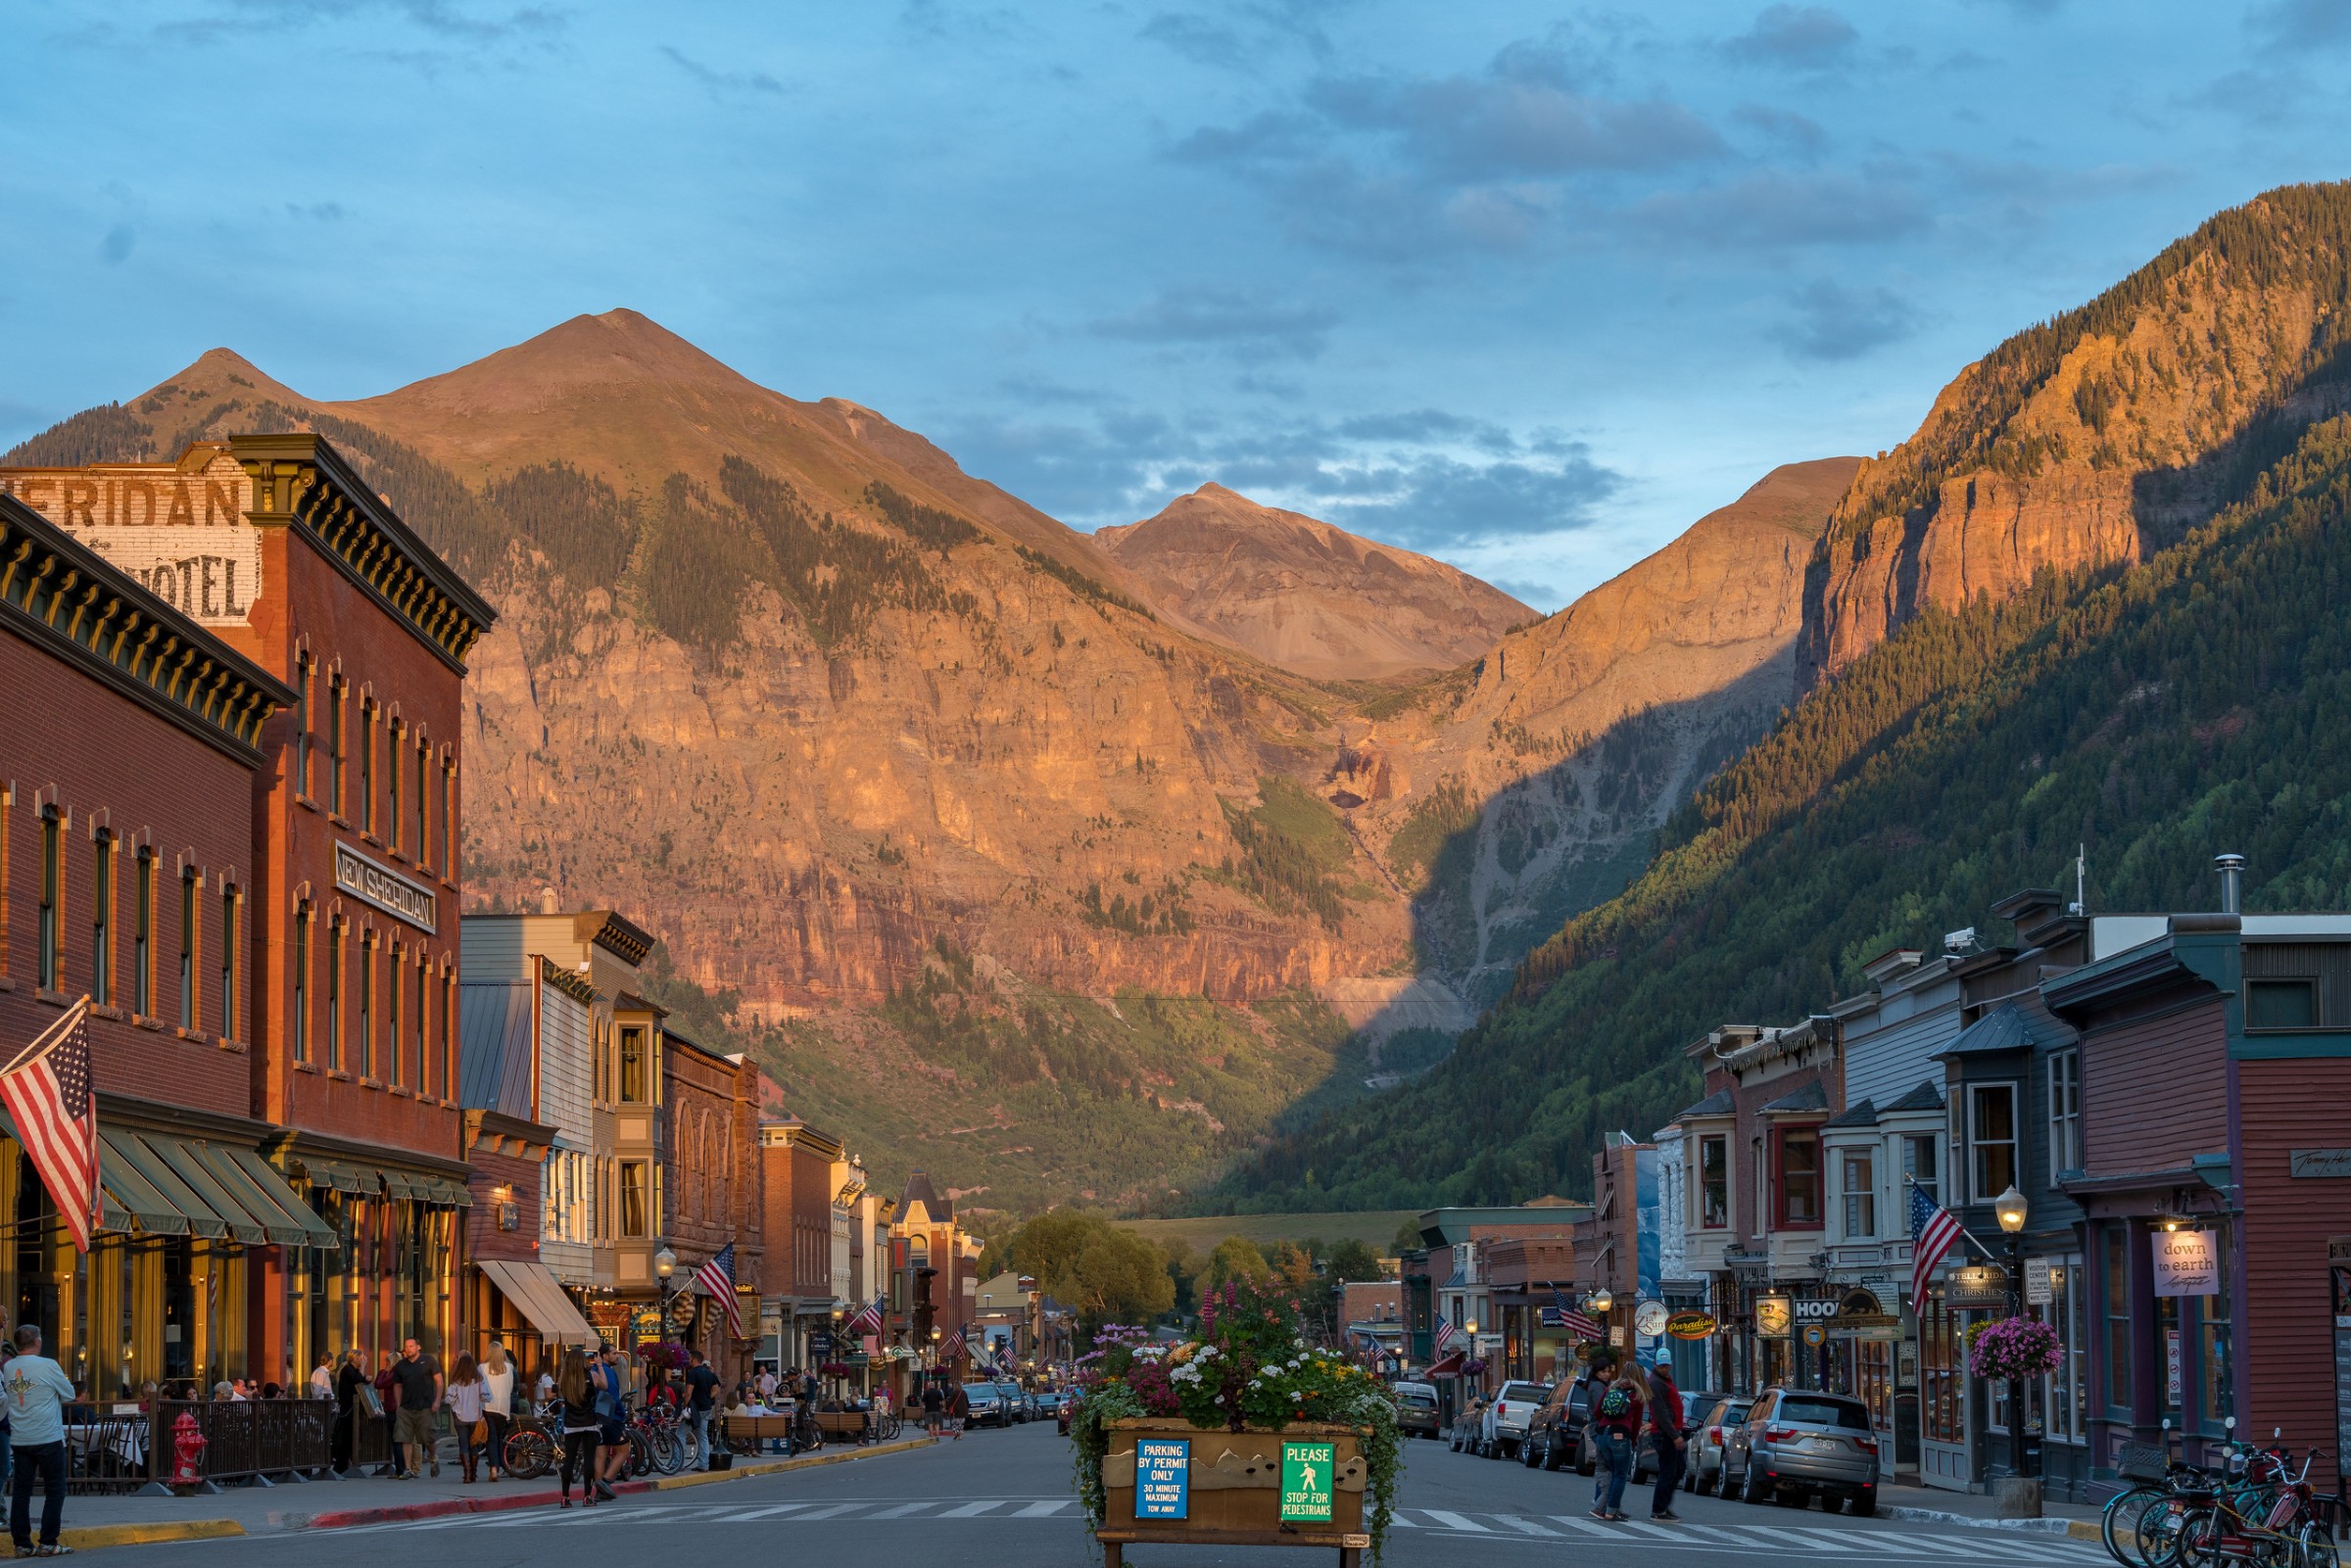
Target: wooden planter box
(1234, 1492)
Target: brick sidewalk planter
(1233, 1492)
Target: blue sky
(1526, 287)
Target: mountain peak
(1304, 594)
(224, 373)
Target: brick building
(716, 1198)
(128, 872)
(802, 1172)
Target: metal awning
(335, 1174)
(130, 1199)
(187, 1162)
(273, 1185)
(534, 1290)
(278, 1218)
(133, 1151)
(398, 1184)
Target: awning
(336, 1175)
(133, 1151)
(188, 1164)
(1451, 1366)
(130, 1199)
(441, 1190)
(533, 1287)
(266, 1197)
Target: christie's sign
(384, 887)
(178, 529)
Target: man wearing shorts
(418, 1376)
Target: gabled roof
(1864, 1115)
(1926, 1097)
(2003, 1029)
(1717, 1104)
(919, 1189)
(1811, 1097)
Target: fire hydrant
(187, 1451)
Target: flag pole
(1990, 1256)
(42, 1041)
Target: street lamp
(2011, 1211)
(665, 1263)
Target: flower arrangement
(1249, 1368)
(2011, 1348)
(664, 1354)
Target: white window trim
(2065, 1110)
(2014, 1140)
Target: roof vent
(2232, 872)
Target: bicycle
(2275, 1525)
(532, 1450)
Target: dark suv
(1555, 1434)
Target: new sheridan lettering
(111, 501)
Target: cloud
(1833, 322)
(1796, 39)
(2301, 24)
(1799, 133)
(1773, 208)
(1249, 322)
(1198, 39)
(315, 211)
(115, 249)
(1521, 118)
(724, 83)
(444, 18)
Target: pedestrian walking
(387, 1410)
(498, 1403)
(1597, 1374)
(1666, 1429)
(419, 1377)
(465, 1398)
(37, 1392)
(349, 1404)
(959, 1410)
(701, 1395)
(582, 1425)
(1617, 1425)
(934, 1407)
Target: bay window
(1714, 1182)
(1799, 1178)
(1990, 1140)
(1857, 1182)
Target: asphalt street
(1005, 1499)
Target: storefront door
(1942, 1404)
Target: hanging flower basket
(2010, 1349)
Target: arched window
(918, 1251)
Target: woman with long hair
(349, 1377)
(464, 1396)
(583, 1426)
(498, 1400)
(611, 1374)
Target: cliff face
(1541, 773)
(2097, 437)
(1307, 597)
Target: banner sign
(1163, 1478)
(386, 890)
(2188, 1263)
(1307, 1476)
(1691, 1325)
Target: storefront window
(2215, 1384)
(2068, 1399)
(2116, 1266)
(1941, 1393)
(1714, 1182)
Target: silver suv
(1796, 1445)
(1514, 1404)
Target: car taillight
(1714, 1436)
(1866, 1444)
(1778, 1434)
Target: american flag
(717, 1276)
(1445, 1334)
(1568, 1317)
(868, 1320)
(953, 1349)
(1933, 1233)
(48, 1092)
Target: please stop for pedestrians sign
(1306, 1481)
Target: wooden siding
(2155, 1093)
(2289, 1343)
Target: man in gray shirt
(37, 1392)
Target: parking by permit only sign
(1306, 1482)
(1163, 1478)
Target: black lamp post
(665, 1263)
(2010, 1207)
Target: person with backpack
(1616, 1423)
(1597, 1374)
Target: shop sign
(1976, 1285)
(1616, 1334)
(1815, 1335)
(2188, 1263)
(2040, 1283)
(1773, 1316)
(2318, 1163)
(1815, 1311)
(1306, 1482)
(1649, 1319)
(1691, 1325)
(386, 890)
(1163, 1478)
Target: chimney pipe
(2233, 869)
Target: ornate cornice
(301, 481)
(64, 595)
(570, 982)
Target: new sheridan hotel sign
(386, 890)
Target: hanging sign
(2188, 1263)
(1773, 1316)
(1691, 1325)
(1649, 1319)
(1976, 1285)
(1307, 1476)
(1163, 1478)
(2040, 1282)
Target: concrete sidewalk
(119, 1521)
(1933, 1505)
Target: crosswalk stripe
(1877, 1541)
(1587, 1526)
(905, 1508)
(768, 1512)
(1651, 1530)
(1718, 1529)
(1041, 1510)
(970, 1509)
(1792, 1536)
(833, 1512)
(1526, 1527)
(1455, 1521)
(2007, 1543)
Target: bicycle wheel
(529, 1454)
(2154, 1533)
(2314, 1547)
(669, 1451)
(890, 1428)
(2117, 1526)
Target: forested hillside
(2156, 716)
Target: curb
(2079, 1528)
(90, 1538)
(444, 1508)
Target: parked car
(1416, 1414)
(988, 1405)
(1069, 1408)
(1796, 1445)
(1713, 1424)
(1049, 1401)
(1468, 1427)
(1017, 1405)
(1555, 1434)
(1504, 1430)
